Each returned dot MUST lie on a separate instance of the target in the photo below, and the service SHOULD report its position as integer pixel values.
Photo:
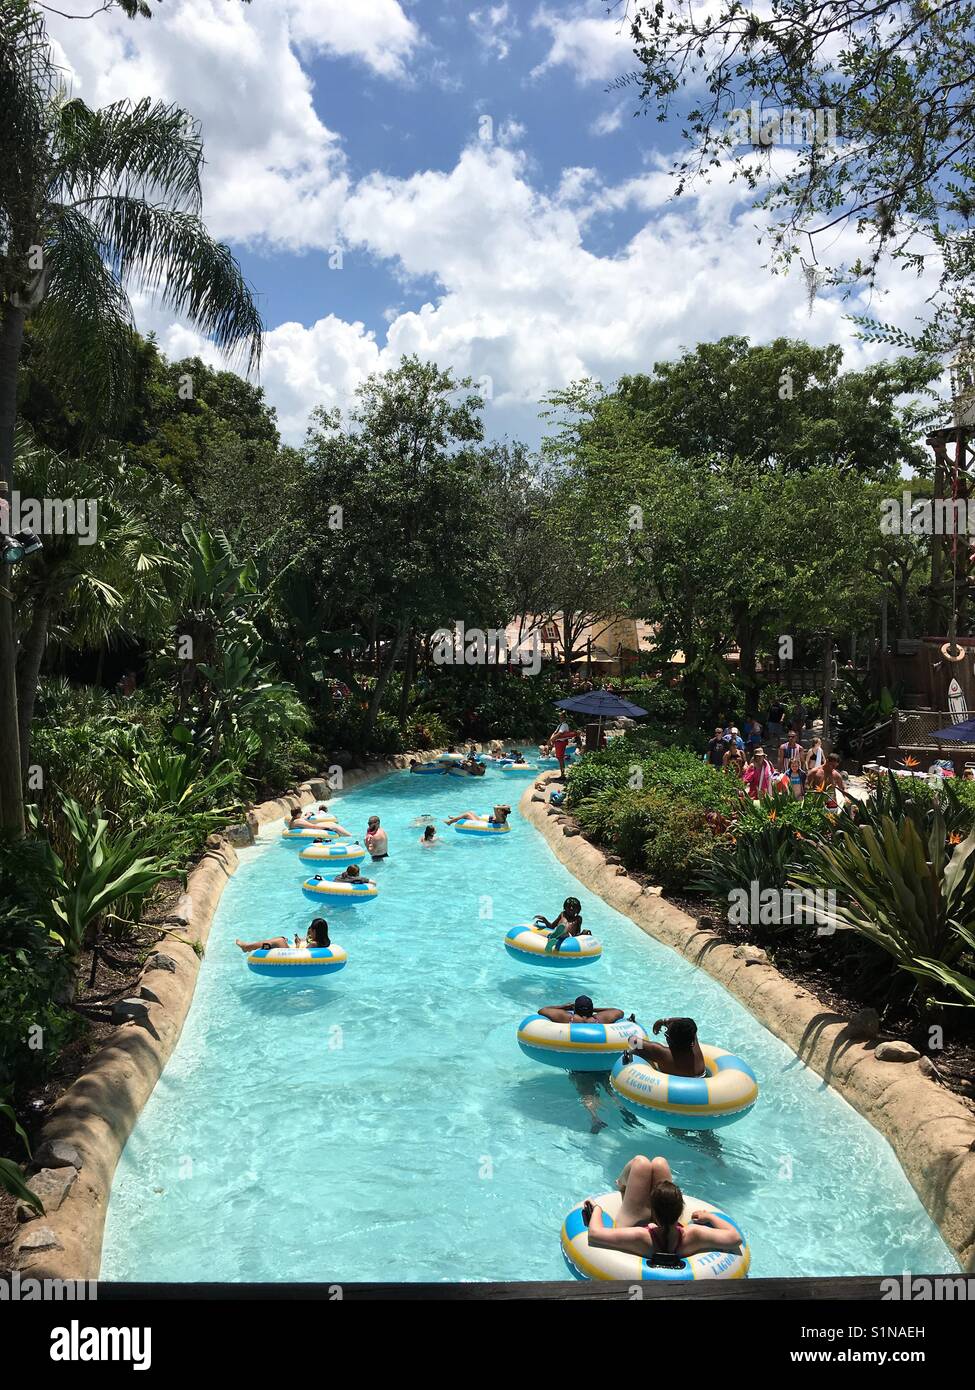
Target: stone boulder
(751, 955)
(157, 961)
(863, 1026)
(896, 1051)
(52, 1185)
(240, 836)
(39, 1238)
(130, 1011)
(56, 1153)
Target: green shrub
(663, 836)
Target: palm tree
(92, 202)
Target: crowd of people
(792, 767)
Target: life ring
(451, 758)
(346, 892)
(480, 827)
(958, 653)
(428, 770)
(527, 943)
(726, 1094)
(297, 962)
(458, 771)
(585, 1045)
(519, 769)
(333, 854)
(589, 1263)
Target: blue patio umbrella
(603, 704)
(956, 733)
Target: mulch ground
(116, 974)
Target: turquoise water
(382, 1124)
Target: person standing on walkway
(790, 763)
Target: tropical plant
(106, 873)
(11, 1178)
(92, 202)
(168, 779)
(911, 894)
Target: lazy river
(382, 1124)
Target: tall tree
(403, 534)
(893, 87)
(103, 199)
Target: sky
(451, 179)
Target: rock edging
(90, 1123)
(931, 1131)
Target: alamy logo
(756, 906)
(766, 126)
(475, 646)
(50, 516)
(927, 516)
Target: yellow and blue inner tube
(578, 1046)
(315, 819)
(527, 943)
(303, 835)
(726, 1094)
(347, 893)
(428, 770)
(519, 769)
(333, 854)
(588, 1262)
(292, 962)
(481, 826)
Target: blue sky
(549, 251)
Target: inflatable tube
(519, 769)
(334, 854)
(458, 771)
(306, 834)
(588, 1263)
(292, 962)
(527, 943)
(451, 758)
(726, 1094)
(345, 894)
(480, 827)
(313, 820)
(579, 1046)
(427, 770)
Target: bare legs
(636, 1182)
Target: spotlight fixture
(31, 544)
(10, 550)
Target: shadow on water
(287, 998)
(714, 1167)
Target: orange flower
(772, 815)
(798, 836)
(954, 838)
(910, 762)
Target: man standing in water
(559, 741)
(376, 841)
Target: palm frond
(142, 150)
